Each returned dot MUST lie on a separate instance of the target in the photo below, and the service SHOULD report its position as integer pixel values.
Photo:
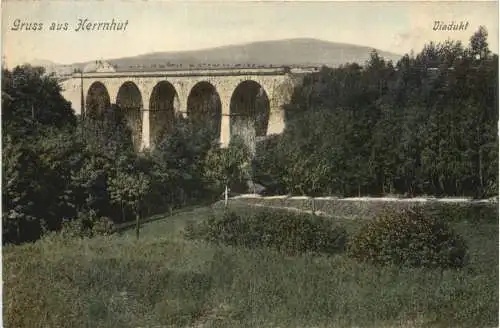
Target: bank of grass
(164, 280)
(365, 210)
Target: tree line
(60, 169)
(424, 125)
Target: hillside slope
(282, 52)
(292, 52)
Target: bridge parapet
(198, 72)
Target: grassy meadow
(165, 280)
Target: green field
(164, 280)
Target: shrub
(103, 226)
(409, 237)
(87, 225)
(288, 232)
(474, 213)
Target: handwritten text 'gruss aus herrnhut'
(82, 25)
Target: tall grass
(164, 280)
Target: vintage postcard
(250, 163)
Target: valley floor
(164, 280)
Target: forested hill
(292, 52)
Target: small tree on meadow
(227, 167)
(129, 190)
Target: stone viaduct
(233, 101)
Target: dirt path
(375, 199)
(293, 209)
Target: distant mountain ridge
(288, 52)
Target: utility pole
(226, 196)
(82, 100)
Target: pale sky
(172, 26)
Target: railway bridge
(233, 101)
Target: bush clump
(474, 213)
(409, 237)
(87, 225)
(291, 233)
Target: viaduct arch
(97, 100)
(232, 102)
(204, 107)
(129, 102)
(249, 108)
(163, 106)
